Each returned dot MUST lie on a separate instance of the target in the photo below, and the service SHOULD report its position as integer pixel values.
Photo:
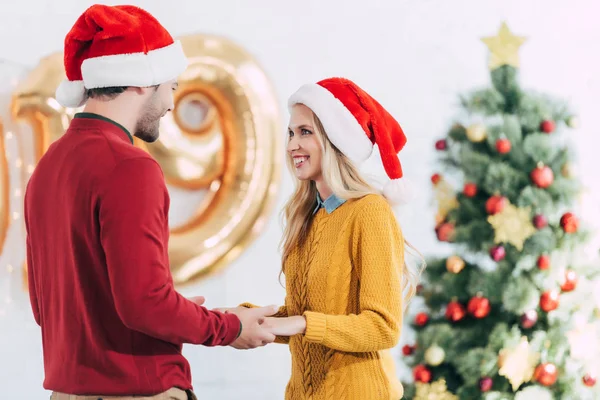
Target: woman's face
(304, 148)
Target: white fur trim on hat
(341, 127)
(71, 94)
(399, 191)
(135, 69)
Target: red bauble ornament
(543, 262)
(421, 319)
(542, 176)
(441, 144)
(497, 253)
(540, 221)
(529, 319)
(485, 384)
(419, 288)
(546, 374)
(569, 223)
(445, 232)
(495, 204)
(422, 374)
(570, 281)
(470, 189)
(589, 380)
(408, 350)
(503, 146)
(455, 311)
(479, 306)
(547, 126)
(549, 300)
(435, 178)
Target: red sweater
(96, 213)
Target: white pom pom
(71, 94)
(399, 191)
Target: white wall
(414, 56)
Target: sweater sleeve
(133, 210)
(31, 285)
(378, 256)
(281, 313)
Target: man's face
(157, 104)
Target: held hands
(254, 332)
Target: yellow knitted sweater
(346, 280)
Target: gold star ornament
(446, 200)
(434, 391)
(517, 364)
(504, 48)
(512, 225)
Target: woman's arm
(281, 313)
(379, 257)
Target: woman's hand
(288, 326)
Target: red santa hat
(354, 123)
(117, 46)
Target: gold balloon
(4, 189)
(476, 133)
(221, 144)
(455, 264)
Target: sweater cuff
(247, 305)
(234, 329)
(316, 326)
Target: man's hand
(288, 326)
(254, 334)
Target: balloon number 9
(219, 147)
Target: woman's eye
(306, 132)
(290, 134)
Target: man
(96, 213)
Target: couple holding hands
(96, 213)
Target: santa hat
(117, 46)
(354, 123)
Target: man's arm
(33, 299)
(133, 213)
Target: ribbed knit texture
(346, 281)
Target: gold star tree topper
(517, 364)
(512, 225)
(504, 48)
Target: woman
(343, 253)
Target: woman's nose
(292, 144)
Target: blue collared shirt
(330, 204)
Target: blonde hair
(345, 182)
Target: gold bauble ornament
(220, 147)
(518, 363)
(433, 391)
(573, 122)
(567, 170)
(455, 264)
(504, 48)
(435, 355)
(476, 132)
(512, 225)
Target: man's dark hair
(109, 93)
(106, 93)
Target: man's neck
(113, 110)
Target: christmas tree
(510, 314)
